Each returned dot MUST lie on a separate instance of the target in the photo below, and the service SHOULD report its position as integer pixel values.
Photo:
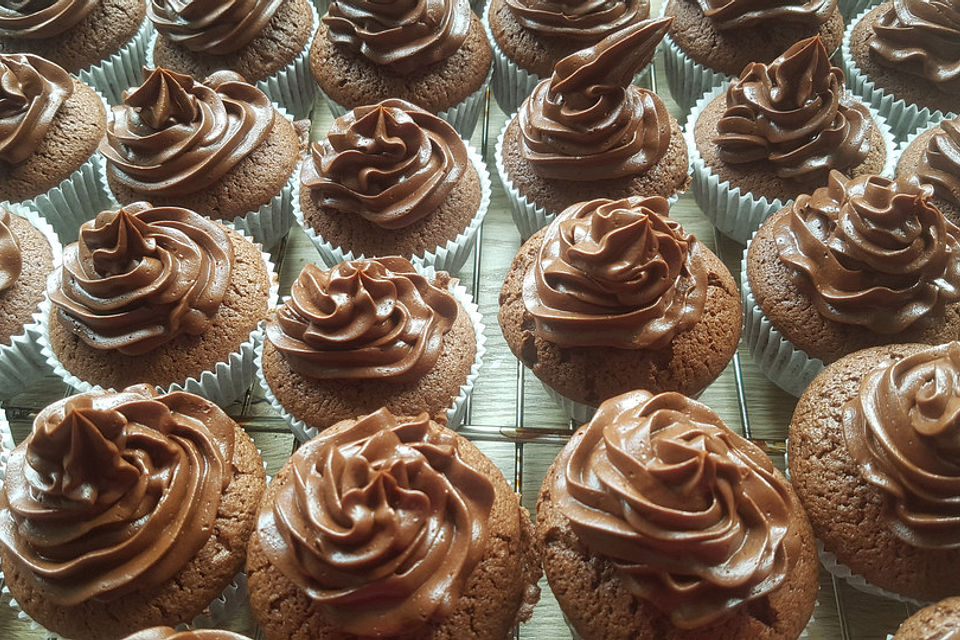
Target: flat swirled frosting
(871, 252)
(168, 633)
(922, 38)
(392, 163)
(403, 35)
(903, 431)
(32, 90)
(740, 14)
(216, 27)
(141, 276)
(692, 515)
(940, 161)
(576, 19)
(113, 493)
(616, 273)
(587, 122)
(380, 521)
(793, 116)
(11, 260)
(174, 136)
(41, 19)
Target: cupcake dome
(934, 156)
(939, 620)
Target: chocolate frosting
(11, 261)
(587, 122)
(114, 493)
(692, 515)
(403, 35)
(381, 522)
(141, 276)
(392, 163)
(872, 252)
(576, 19)
(32, 90)
(41, 19)
(922, 38)
(903, 431)
(215, 27)
(174, 136)
(368, 319)
(940, 161)
(167, 633)
(740, 14)
(794, 116)
(616, 273)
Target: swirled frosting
(392, 163)
(11, 260)
(792, 115)
(903, 430)
(403, 35)
(940, 162)
(141, 276)
(216, 27)
(587, 122)
(41, 19)
(616, 273)
(167, 633)
(370, 319)
(32, 90)
(113, 493)
(381, 522)
(692, 515)
(740, 14)
(173, 136)
(578, 20)
(872, 252)
(922, 38)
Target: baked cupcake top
(739, 14)
(140, 276)
(11, 259)
(577, 20)
(32, 90)
(588, 121)
(392, 163)
(168, 633)
(114, 492)
(38, 20)
(381, 522)
(940, 161)
(871, 252)
(174, 136)
(693, 516)
(216, 27)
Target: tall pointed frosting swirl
(616, 273)
(216, 27)
(793, 115)
(692, 515)
(115, 492)
(587, 122)
(576, 19)
(740, 14)
(370, 319)
(392, 163)
(940, 162)
(32, 90)
(141, 276)
(903, 430)
(872, 252)
(41, 19)
(404, 35)
(380, 522)
(11, 260)
(174, 136)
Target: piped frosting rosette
(939, 164)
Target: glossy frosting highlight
(167, 633)
(32, 90)
(11, 260)
(215, 27)
(41, 19)
(940, 162)
(740, 14)
(576, 19)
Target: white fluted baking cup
(687, 78)
(449, 257)
(855, 580)
(6, 444)
(850, 8)
(321, 6)
(455, 413)
(577, 410)
(122, 69)
(510, 84)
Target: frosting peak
(11, 260)
(739, 14)
(576, 19)
(216, 27)
(41, 19)
(32, 90)
(940, 161)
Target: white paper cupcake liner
(6, 444)
(576, 410)
(455, 413)
(851, 8)
(687, 78)
(858, 582)
(122, 69)
(321, 6)
(449, 257)
(510, 84)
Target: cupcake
(933, 155)
(168, 633)
(265, 41)
(367, 334)
(904, 59)
(940, 621)
(50, 125)
(393, 179)
(218, 147)
(776, 132)
(389, 527)
(657, 522)
(529, 37)
(433, 53)
(874, 461)
(159, 295)
(133, 502)
(587, 133)
(862, 262)
(614, 296)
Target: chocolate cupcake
(940, 621)
(614, 296)
(933, 155)
(168, 633)
(390, 527)
(150, 522)
(657, 522)
(218, 147)
(587, 133)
